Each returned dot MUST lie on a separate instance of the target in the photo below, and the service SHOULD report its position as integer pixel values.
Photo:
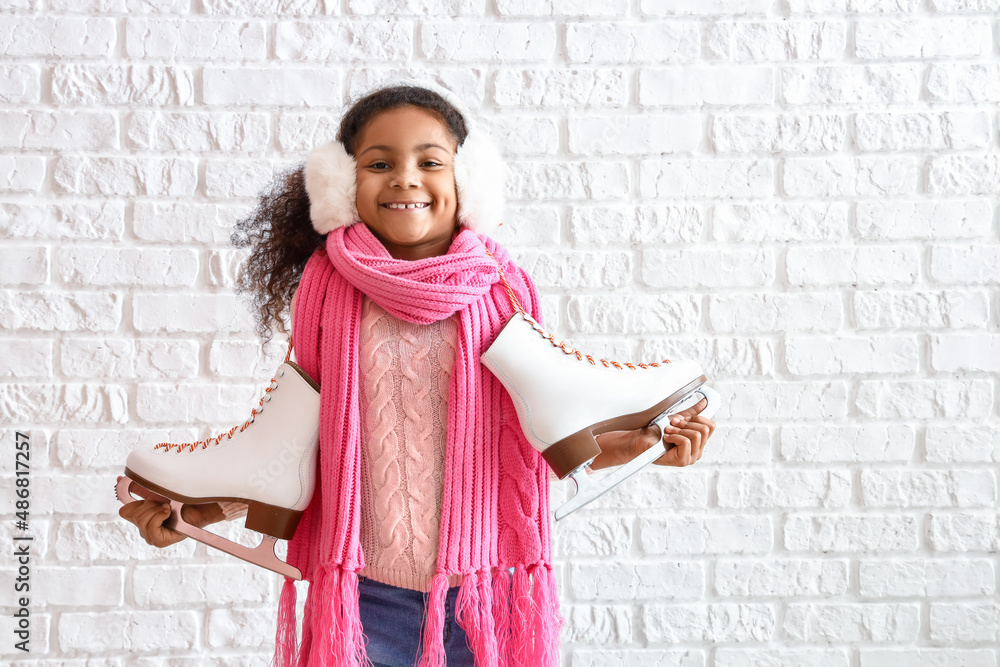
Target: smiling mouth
(399, 207)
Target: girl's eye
(432, 163)
(378, 165)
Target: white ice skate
(564, 398)
(268, 463)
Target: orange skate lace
(202, 444)
(560, 344)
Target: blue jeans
(392, 619)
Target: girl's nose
(405, 176)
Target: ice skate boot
(564, 398)
(268, 463)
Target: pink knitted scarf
(495, 505)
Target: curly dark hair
(279, 232)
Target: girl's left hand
(685, 439)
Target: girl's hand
(149, 515)
(685, 440)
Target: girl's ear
(479, 180)
(332, 185)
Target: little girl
(428, 536)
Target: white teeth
(406, 205)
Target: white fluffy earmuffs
(331, 177)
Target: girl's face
(404, 157)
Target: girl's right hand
(149, 515)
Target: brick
(922, 38)
(851, 534)
(922, 399)
(529, 226)
(921, 131)
(784, 133)
(224, 267)
(462, 41)
(836, 355)
(964, 531)
(38, 403)
(20, 84)
(577, 269)
(621, 657)
(127, 631)
(122, 176)
(204, 39)
(84, 491)
(965, 352)
(706, 8)
(53, 311)
(122, 358)
(839, 85)
(24, 265)
(344, 41)
(965, 5)
(226, 179)
(965, 622)
(781, 577)
(851, 444)
(659, 487)
(696, 86)
(747, 313)
(240, 627)
(242, 358)
(635, 314)
(719, 357)
(635, 225)
(120, 6)
(974, 264)
(784, 400)
(104, 84)
(91, 220)
(926, 578)
(716, 534)
(90, 448)
(194, 584)
(836, 622)
(210, 403)
(718, 622)
(21, 173)
(637, 581)
(189, 313)
(962, 444)
(593, 535)
(469, 83)
(971, 218)
(590, 88)
(25, 358)
(921, 657)
(40, 629)
(706, 179)
(963, 82)
(58, 130)
(888, 176)
(947, 309)
(599, 625)
(301, 132)
(963, 175)
(284, 87)
(394, 8)
(783, 657)
(776, 41)
(129, 266)
(63, 36)
(707, 268)
(524, 135)
(568, 8)
(840, 177)
(928, 488)
(201, 132)
(271, 7)
(618, 42)
(853, 6)
(568, 180)
(860, 265)
(181, 222)
(783, 488)
(737, 445)
(635, 135)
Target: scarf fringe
(341, 637)
(501, 613)
(285, 646)
(433, 639)
(547, 620)
(475, 615)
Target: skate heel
(572, 453)
(279, 522)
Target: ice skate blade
(263, 554)
(587, 490)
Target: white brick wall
(802, 195)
